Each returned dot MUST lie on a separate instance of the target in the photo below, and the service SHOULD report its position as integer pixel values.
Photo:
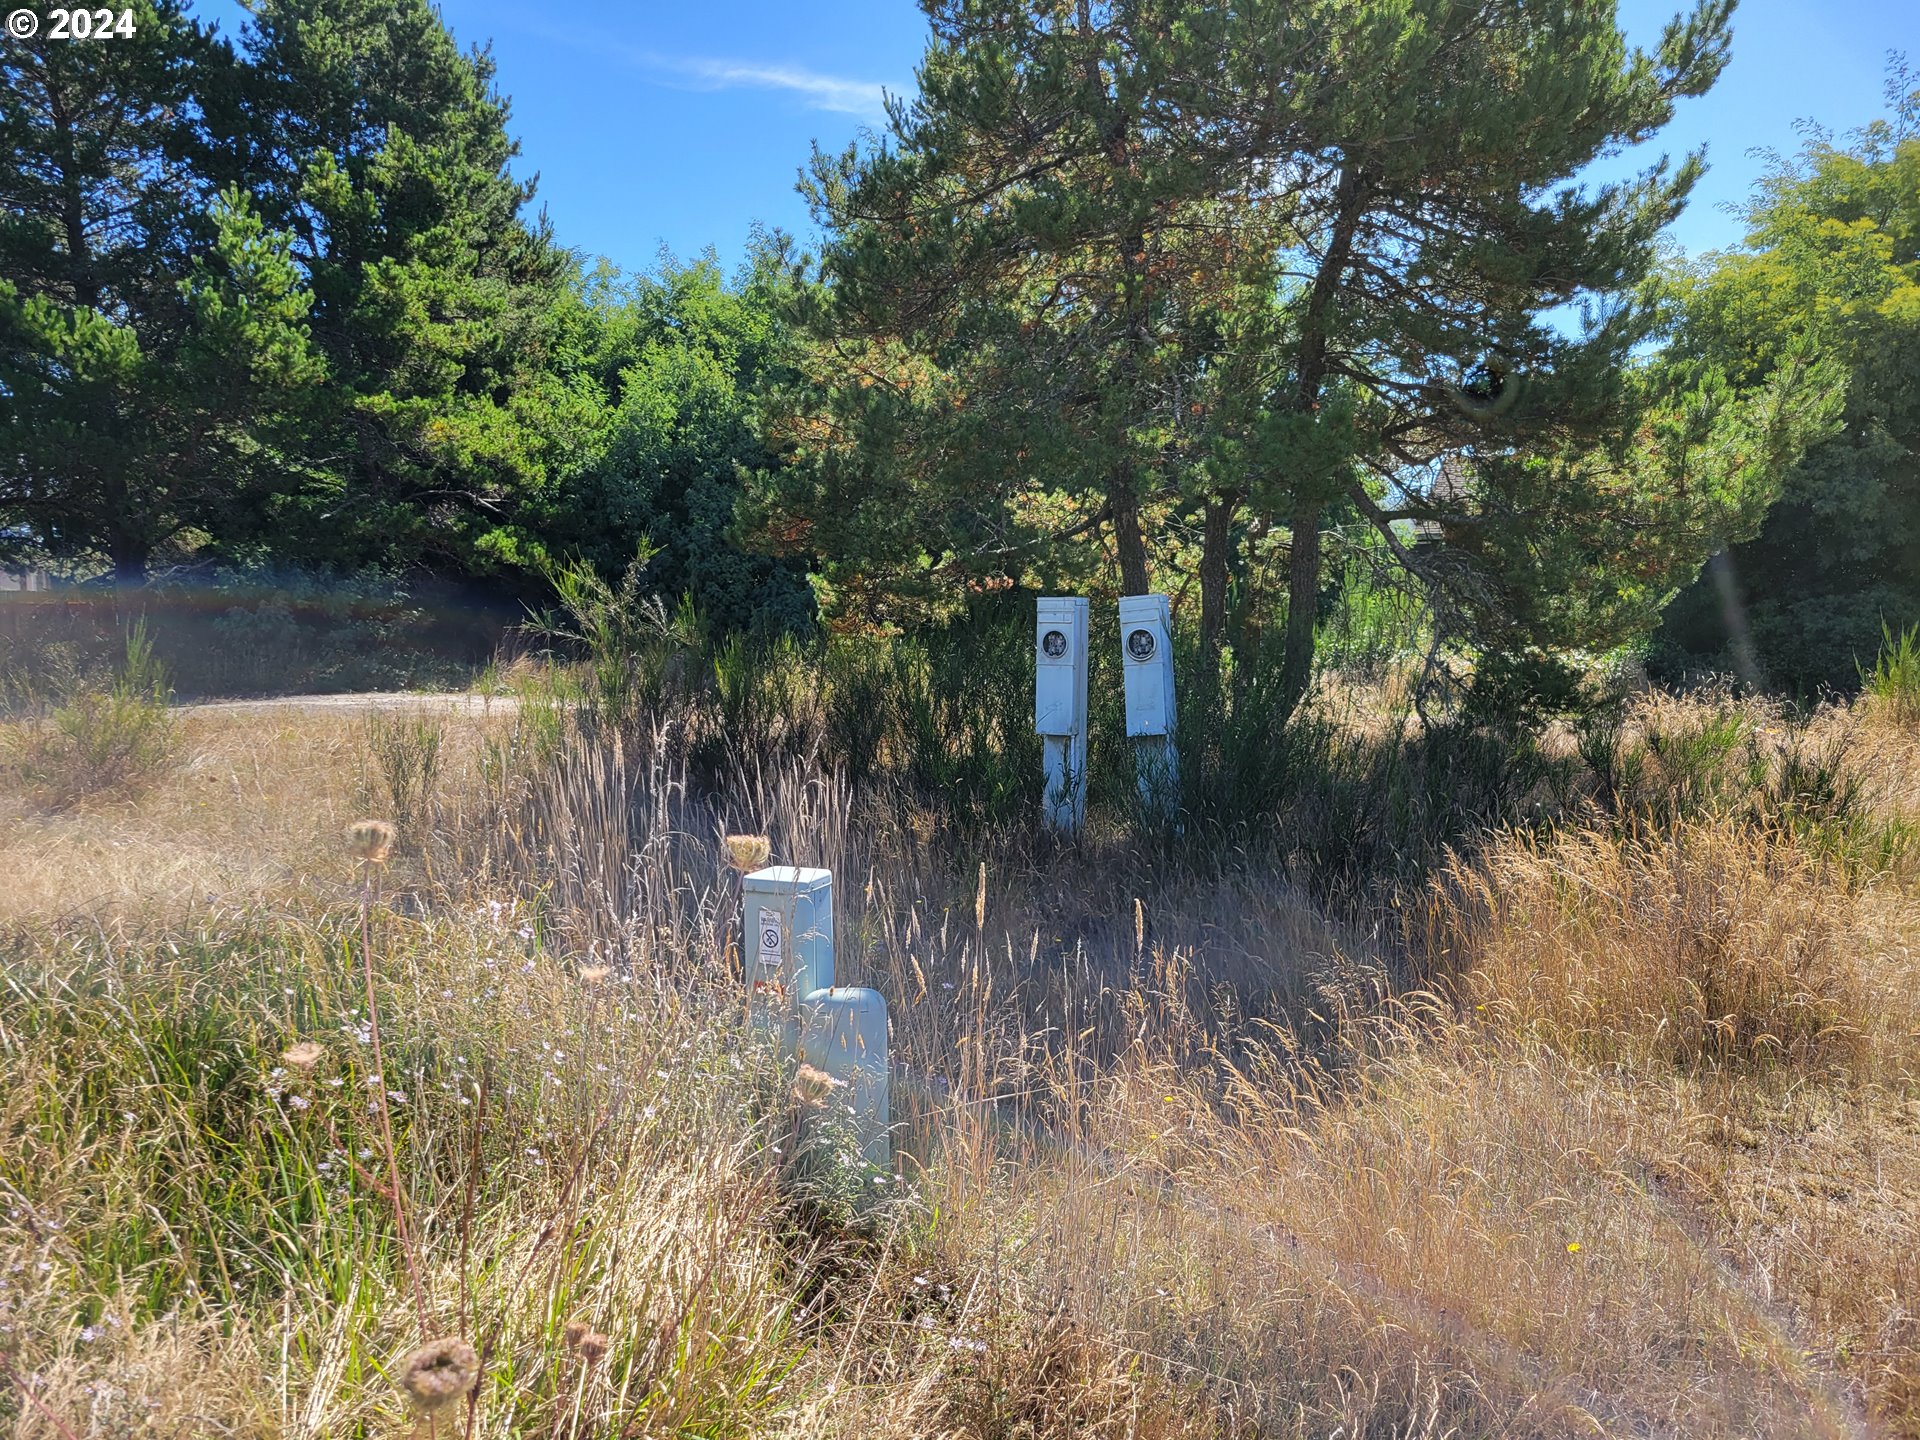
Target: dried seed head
(574, 1332)
(594, 1347)
(434, 1377)
(305, 1055)
(812, 1085)
(595, 974)
(372, 840)
(748, 852)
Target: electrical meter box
(1060, 666)
(788, 916)
(1146, 656)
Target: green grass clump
(115, 739)
(1894, 681)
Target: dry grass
(1182, 1155)
(252, 809)
(1712, 943)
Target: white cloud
(865, 98)
(822, 92)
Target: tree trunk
(1303, 571)
(1216, 535)
(1127, 537)
(1303, 606)
(129, 564)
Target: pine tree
(153, 351)
(1130, 264)
(379, 144)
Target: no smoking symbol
(770, 939)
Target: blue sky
(678, 123)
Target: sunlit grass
(1608, 1125)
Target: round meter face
(1140, 644)
(1053, 644)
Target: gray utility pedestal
(788, 923)
(787, 916)
(1146, 664)
(843, 1031)
(1060, 706)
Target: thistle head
(305, 1055)
(812, 1085)
(434, 1377)
(748, 852)
(589, 1342)
(372, 840)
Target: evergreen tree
(153, 352)
(1832, 260)
(1007, 346)
(1128, 262)
(381, 147)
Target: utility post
(1060, 707)
(1146, 662)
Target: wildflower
(748, 852)
(1573, 1247)
(434, 1377)
(303, 1056)
(372, 840)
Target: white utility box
(787, 913)
(1060, 666)
(1146, 654)
(843, 1031)
(1060, 706)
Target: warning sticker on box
(769, 939)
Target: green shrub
(104, 740)
(1894, 681)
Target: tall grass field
(372, 1072)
